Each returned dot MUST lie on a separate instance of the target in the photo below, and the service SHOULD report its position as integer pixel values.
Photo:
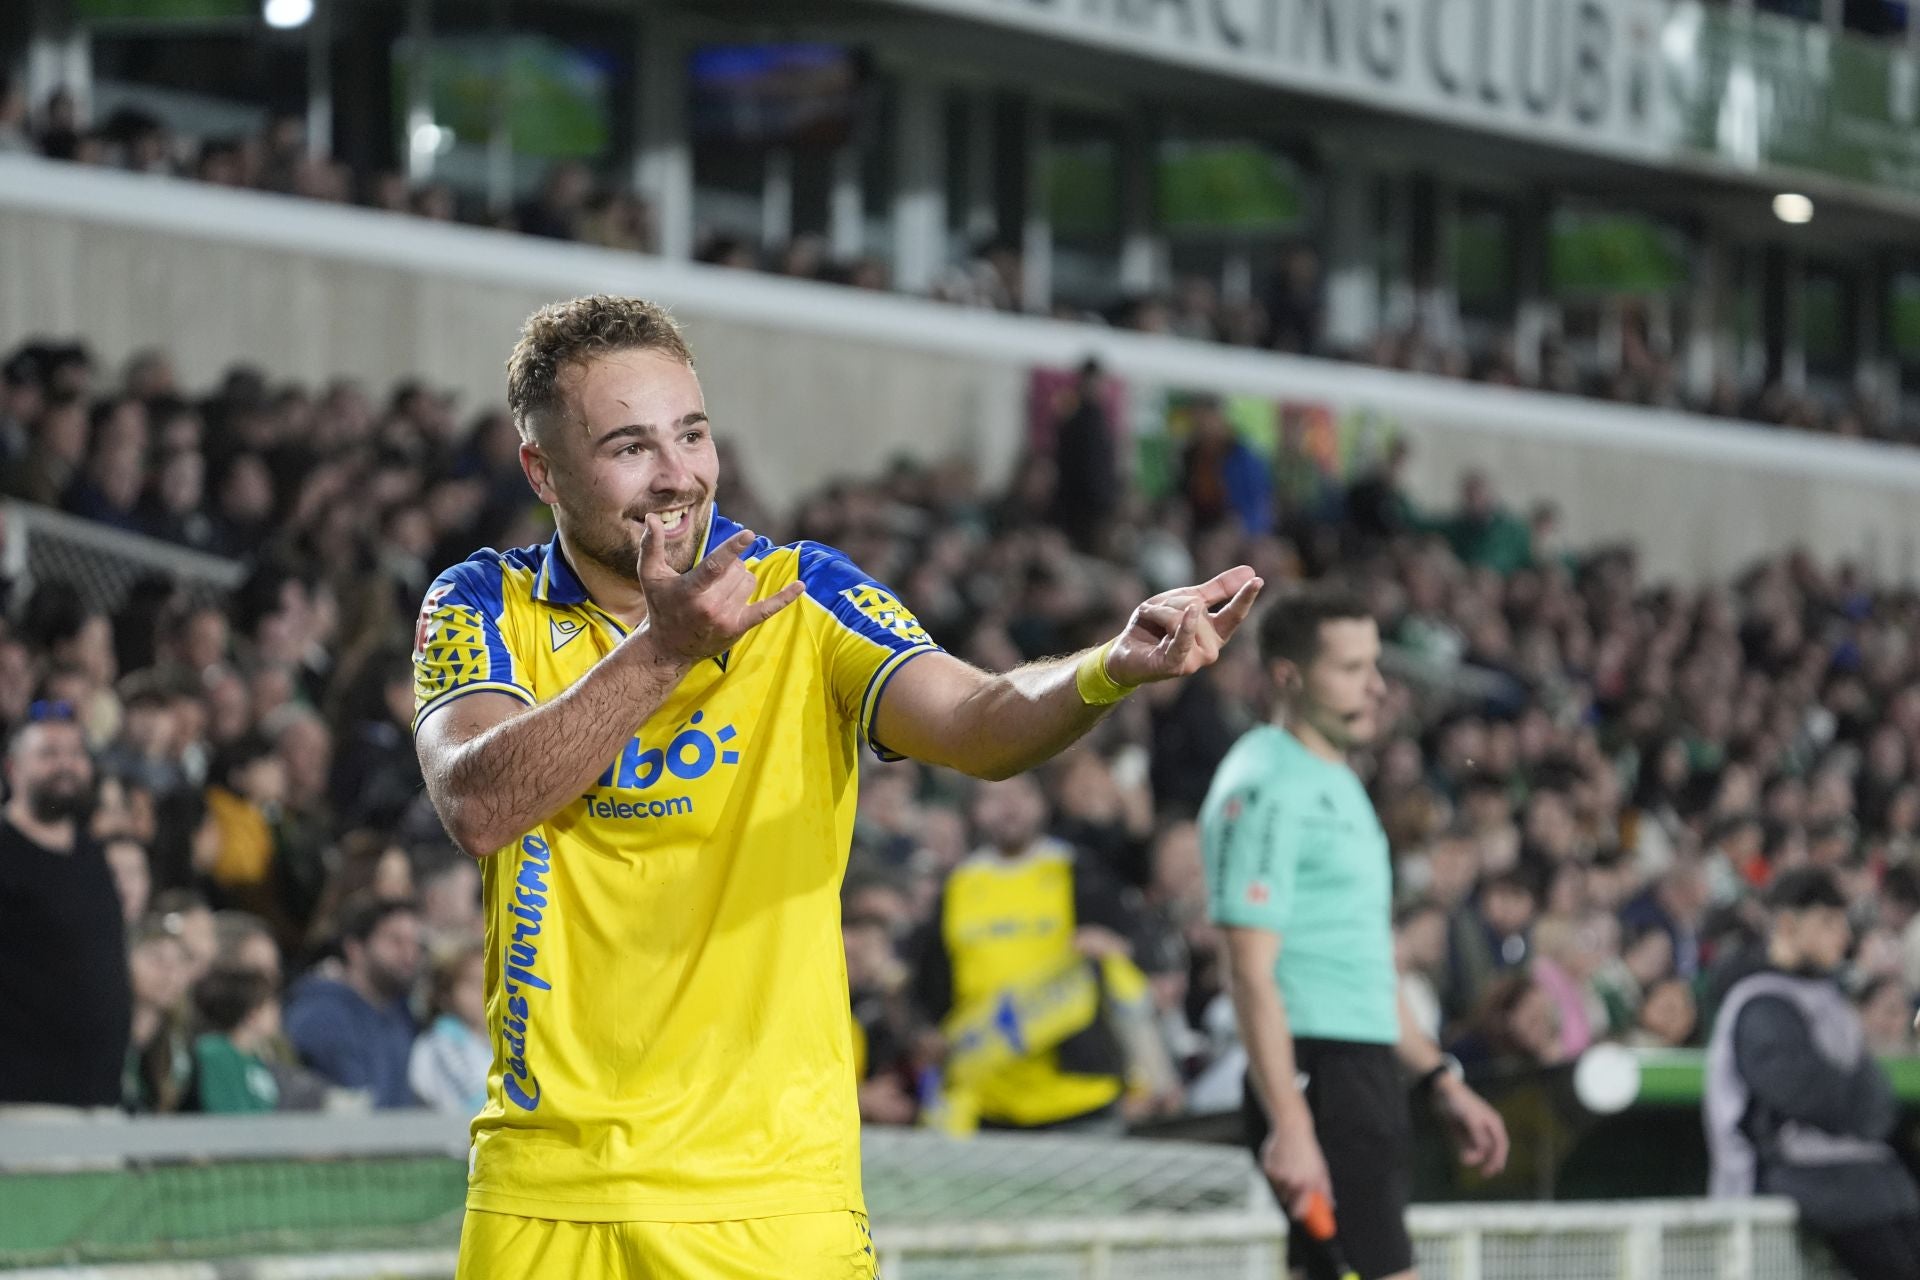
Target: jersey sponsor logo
(1258, 894)
(528, 910)
(564, 631)
(691, 755)
(881, 609)
(632, 810)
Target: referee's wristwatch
(1448, 1066)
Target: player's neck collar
(719, 529)
(557, 583)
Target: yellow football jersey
(666, 984)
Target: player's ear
(539, 470)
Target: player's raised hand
(1178, 632)
(703, 612)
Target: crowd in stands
(1286, 314)
(1587, 780)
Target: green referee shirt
(1292, 846)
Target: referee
(1300, 881)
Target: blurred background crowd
(1587, 780)
(1285, 312)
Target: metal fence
(315, 1197)
(39, 544)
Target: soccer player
(649, 729)
(1300, 880)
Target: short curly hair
(564, 333)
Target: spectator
(1488, 937)
(158, 1071)
(244, 941)
(248, 789)
(1568, 954)
(1796, 1106)
(1377, 505)
(355, 1030)
(876, 981)
(1087, 490)
(1513, 1031)
(1419, 952)
(1668, 1017)
(108, 489)
(132, 876)
(187, 916)
(54, 454)
(241, 1017)
(450, 918)
(65, 931)
(561, 207)
(1886, 1017)
(1899, 911)
(1483, 533)
(448, 1066)
(1221, 477)
(174, 508)
(1630, 977)
(1675, 904)
(1021, 910)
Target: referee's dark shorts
(1358, 1100)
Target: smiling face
(634, 440)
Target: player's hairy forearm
(1262, 1017)
(503, 782)
(1014, 722)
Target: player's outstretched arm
(940, 710)
(496, 769)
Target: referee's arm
(1478, 1132)
(1291, 1158)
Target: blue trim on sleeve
(510, 690)
(829, 576)
(876, 689)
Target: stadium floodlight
(1791, 206)
(287, 14)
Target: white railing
(43, 545)
(1630, 1240)
(998, 1207)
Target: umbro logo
(564, 630)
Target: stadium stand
(1534, 361)
(1284, 316)
(1632, 764)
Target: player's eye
(628, 452)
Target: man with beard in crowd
(63, 931)
(357, 1031)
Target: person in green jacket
(1483, 533)
(240, 1013)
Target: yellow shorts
(795, 1246)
